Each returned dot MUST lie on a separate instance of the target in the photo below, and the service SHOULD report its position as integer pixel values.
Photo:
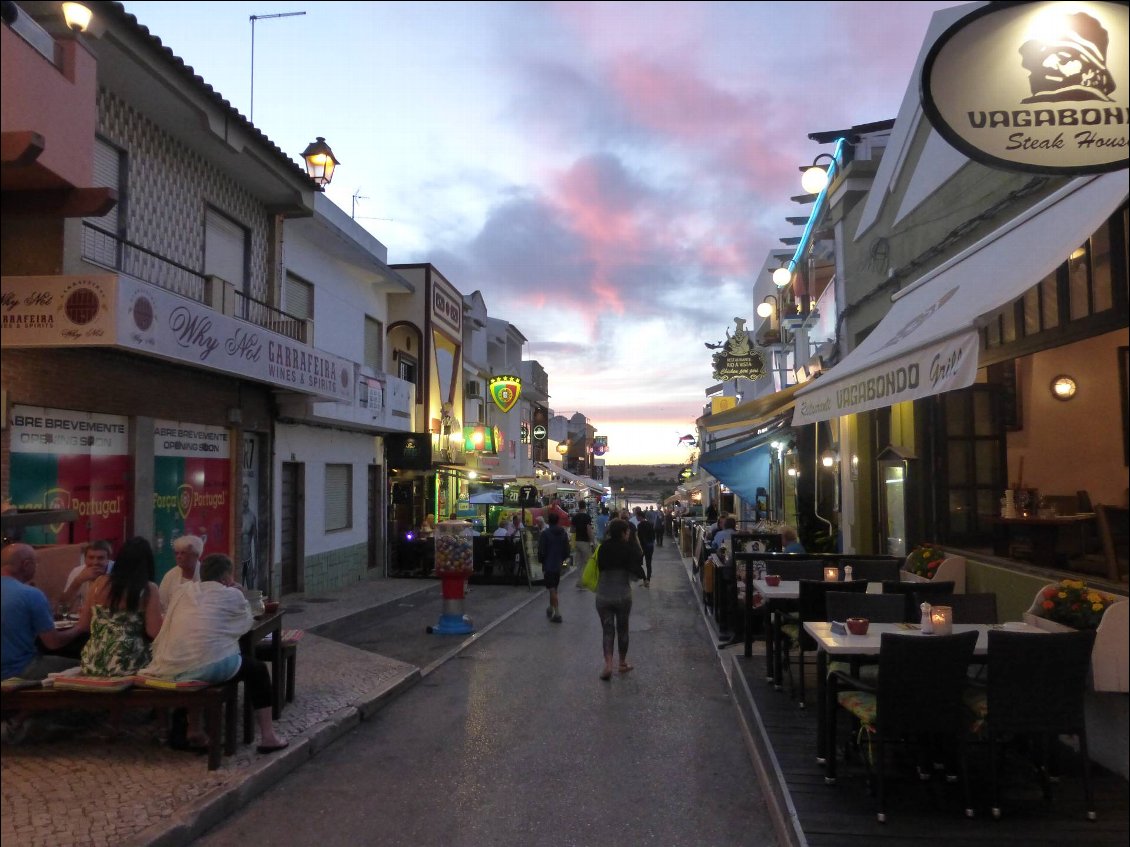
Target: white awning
(928, 342)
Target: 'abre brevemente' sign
(505, 391)
(1037, 87)
(736, 356)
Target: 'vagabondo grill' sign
(1037, 87)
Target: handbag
(590, 576)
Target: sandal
(606, 674)
(625, 667)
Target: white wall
(315, 447)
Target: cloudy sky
(611, 176)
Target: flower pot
(952, 569)
(1110, 657)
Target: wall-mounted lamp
(783, 275)
(1063, 388)
(320, 162)
(815, 178)
(77, 16)
(766, 308)
(829, 458)
(563, 448)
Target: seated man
(723, 536)
(95, 563)
(791, 542)
(199, 640)
(502, 531)
(26, 615)
(187, 550)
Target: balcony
(47, 113)
(105, 249)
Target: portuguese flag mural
(62, 459)
(191, 488)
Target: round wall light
(1063, 388)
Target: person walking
(645, 533)
(657, 519)
(582, 539)
(553, 550)
(618, 560)
(602, 519)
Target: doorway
(376, 552)
(292, 519)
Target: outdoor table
(268, 625)
(780, 598)
(846, 645)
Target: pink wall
(1076, 444)
(58, 103)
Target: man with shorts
(553, 550)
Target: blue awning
(744, 467)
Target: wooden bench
(219, 703)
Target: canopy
(742, 468)
(749, 413)
(928, 342)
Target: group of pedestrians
(188, 628)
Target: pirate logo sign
(504, 391)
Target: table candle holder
(942, 619)
(831, 574)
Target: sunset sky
(610, 176)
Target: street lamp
(815, 178)
(320, 162)
(783, 275)
(77, 16)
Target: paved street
(517, 742)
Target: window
(225, 249)
(339, 497)
(374, 344)
(298, 297)
(406, 368)
(101, 239)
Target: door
(292, 519)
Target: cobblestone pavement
(83, 784)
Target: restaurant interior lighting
(320, 161)
(77, 16)
(1063, 387)
(815, 177)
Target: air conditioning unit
(474, 388)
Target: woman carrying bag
(619, 560)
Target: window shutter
(225, 249)
(374, 344)
(339, 497)
(299, 298)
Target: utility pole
(251, 115)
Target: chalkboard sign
(534, 572)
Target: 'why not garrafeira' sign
(1040, 87)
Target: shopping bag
(590, 576)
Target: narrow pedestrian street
(516, 741)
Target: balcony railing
(104, 248)
(259, 313)
(101, 247)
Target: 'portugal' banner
(191, 487)
(63, 459)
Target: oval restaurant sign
(504, 391)
(1039, 87)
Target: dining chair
(811, 606)
(980, 607)
(918, 695)
(875, 570)
(1036, 686)
(909, 589)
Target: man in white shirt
(95, 563)
(187, 550)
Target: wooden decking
(784, 740)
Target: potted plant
(929, 561)
(1072, 604)
(1069, 604)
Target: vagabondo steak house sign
(1039, 87)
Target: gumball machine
(454, 562)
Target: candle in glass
(942, 618)
(831, 574)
